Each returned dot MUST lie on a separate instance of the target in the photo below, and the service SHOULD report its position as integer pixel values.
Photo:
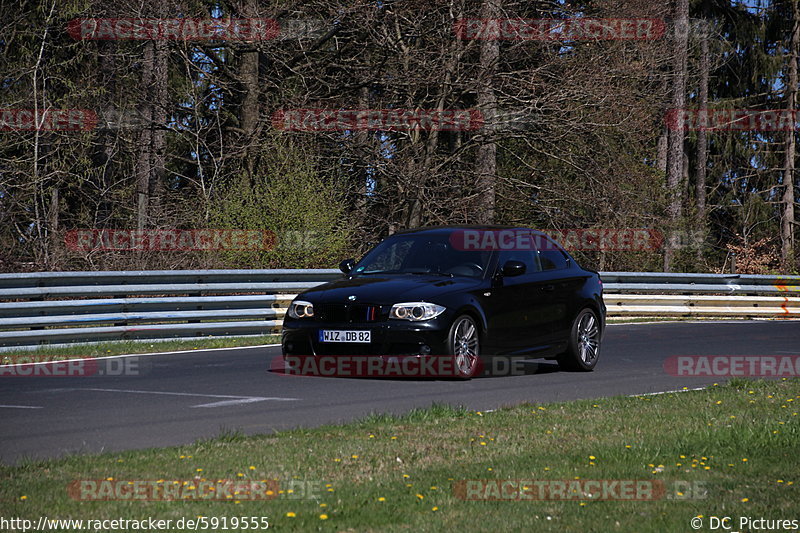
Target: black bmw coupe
(462, 294)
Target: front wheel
(464, 345)
(584, 343)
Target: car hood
(388, 289)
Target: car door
(561, 281)
(517, 307)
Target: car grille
(353, 314)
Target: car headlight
(301, 309)
(415, 311)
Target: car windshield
(423, 254)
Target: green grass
(740, 439)
(130, 347)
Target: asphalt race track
(180, 397)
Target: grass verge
(131, 347)
(738, 442)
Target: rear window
(552, 257)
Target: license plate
(337, 335)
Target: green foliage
(288, 197)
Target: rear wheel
(584, 343)
(464, 345)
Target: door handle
(548, 288)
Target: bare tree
(788, 219)
(486, 158)
(676, 135)
(702, 145)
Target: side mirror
(513, 268)
(347, 265)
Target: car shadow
(524, 367)
(490, 368)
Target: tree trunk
(486, 158)
(144, 160)
(159, 132)
(676, 135)
(361, 163)
(249, 114)
(702, 149)
(661, 151)
(104, 156)
(661, 145)
(150, 167)
(54, 245)
(787, 220)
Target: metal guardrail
(734, 284)
(56, 308)
(702, 305)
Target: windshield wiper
(433, 274)
(415, 272)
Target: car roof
(478, 227)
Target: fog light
(425, 349)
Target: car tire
(463, 343)
(584, 343)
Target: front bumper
(393, 338)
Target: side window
(529, 257)
(552, 257)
